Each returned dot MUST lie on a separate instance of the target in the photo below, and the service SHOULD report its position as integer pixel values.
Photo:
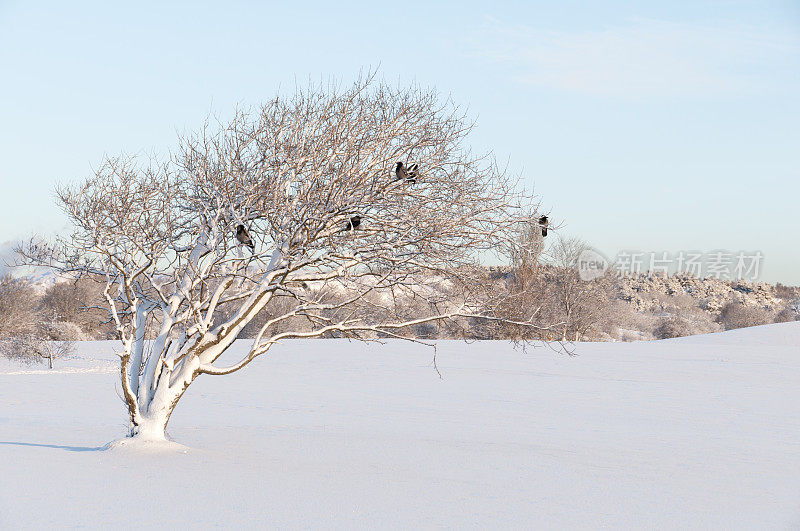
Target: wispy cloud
(646, 58)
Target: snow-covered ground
(697, 432)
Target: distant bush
(669, 327)
(18, 307)
(61, 331)
(29, 349)
(783, 291)
(787, 315)
(78, 302)
(622, 322)
(737, 315)
(19, 349)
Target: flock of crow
(400, 172)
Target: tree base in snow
(142, 445)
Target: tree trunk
(153, 406)
(151, 427)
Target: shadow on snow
(57, 446)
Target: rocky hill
(646, 292)
(684, 304)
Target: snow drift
(695, 432)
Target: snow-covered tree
(293, 199)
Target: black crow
(543, 223)
(244, 237)
(399, 171)
(353, 223)
(403, 173)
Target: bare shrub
(737, 315)
(60, 331)
(21, 348)
(522, 301)
(674, 326)
(29, 349)
(79, 302)
(550, 293)
(787, 315)
(525, 249)
(576, 303)
(785, 292)
(620, 321)
(18, 307)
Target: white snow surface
(697, 432)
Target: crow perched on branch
(244, 237)
(408, 174)
(543, 223)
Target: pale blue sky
(661, 126)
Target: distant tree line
(38, 325)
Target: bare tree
(525, 250)
(30, 349)
(77, 302)
(51, 350)
(18, 307)
(546, 289)
(23, 331)
(521, 292)
(299, 193)
(577, 303)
